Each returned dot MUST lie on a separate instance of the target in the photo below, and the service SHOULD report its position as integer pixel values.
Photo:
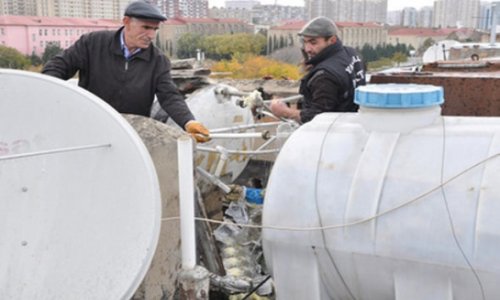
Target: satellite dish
(79, 196)
(435, 52)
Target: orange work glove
(198, 131)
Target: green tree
(228, 46)
(13, 59)
(425, 45)
(368, 53)
(35, 59)
(399, 57)
(188, 43)
(51, 50)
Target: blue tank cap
(394, 95)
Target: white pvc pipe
(222, 160)
(244, 127)
(239, 152)
(242, 135)
(186, 201)
(214, 180)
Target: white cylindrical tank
(396, 203)
(216, 110)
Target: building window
(40, 32)
(46, 32)
(58, 31)
(33, 37)
(41, 44)
(2, 31)
(53, 32)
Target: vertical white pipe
(186, 198)
(493, 33)
(222, 160)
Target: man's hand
(198, 131)
(280, 109)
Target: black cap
(143, 10)
(319, 26)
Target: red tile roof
(427, 31)
(183, 21)
(297, 25)
(56, 21)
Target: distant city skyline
(391, 5)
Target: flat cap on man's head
(144, 10)
(319, 27)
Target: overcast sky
(392, 4)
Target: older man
(126, 70)
(334, 73)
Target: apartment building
(32, 34)
(183, 8)
(348, 10)
(456, 13)
(417, 36)
(97, 9)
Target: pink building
(31, 34)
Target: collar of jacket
(326, 53)
(116, 48)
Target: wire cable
(353, 223)
(256, 287)
(323, 234)
(450, 218)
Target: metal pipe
(186, 201)
(269, 114)
(226, 92)
(290, 99)
(239, 152)
(244, 135)
(214, 180)
(267, 143)
(244, 127)
(53, 151)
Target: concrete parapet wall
(465, 95)
(161, 141)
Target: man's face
(139, 33)
(314, 44)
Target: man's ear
(126, 20)
(333, 39)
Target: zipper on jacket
(126, 65)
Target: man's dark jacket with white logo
(329, 85)
(128, 85)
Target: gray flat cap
(319, 26)
(143, 10)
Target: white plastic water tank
(219, 110)
(408, 202)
